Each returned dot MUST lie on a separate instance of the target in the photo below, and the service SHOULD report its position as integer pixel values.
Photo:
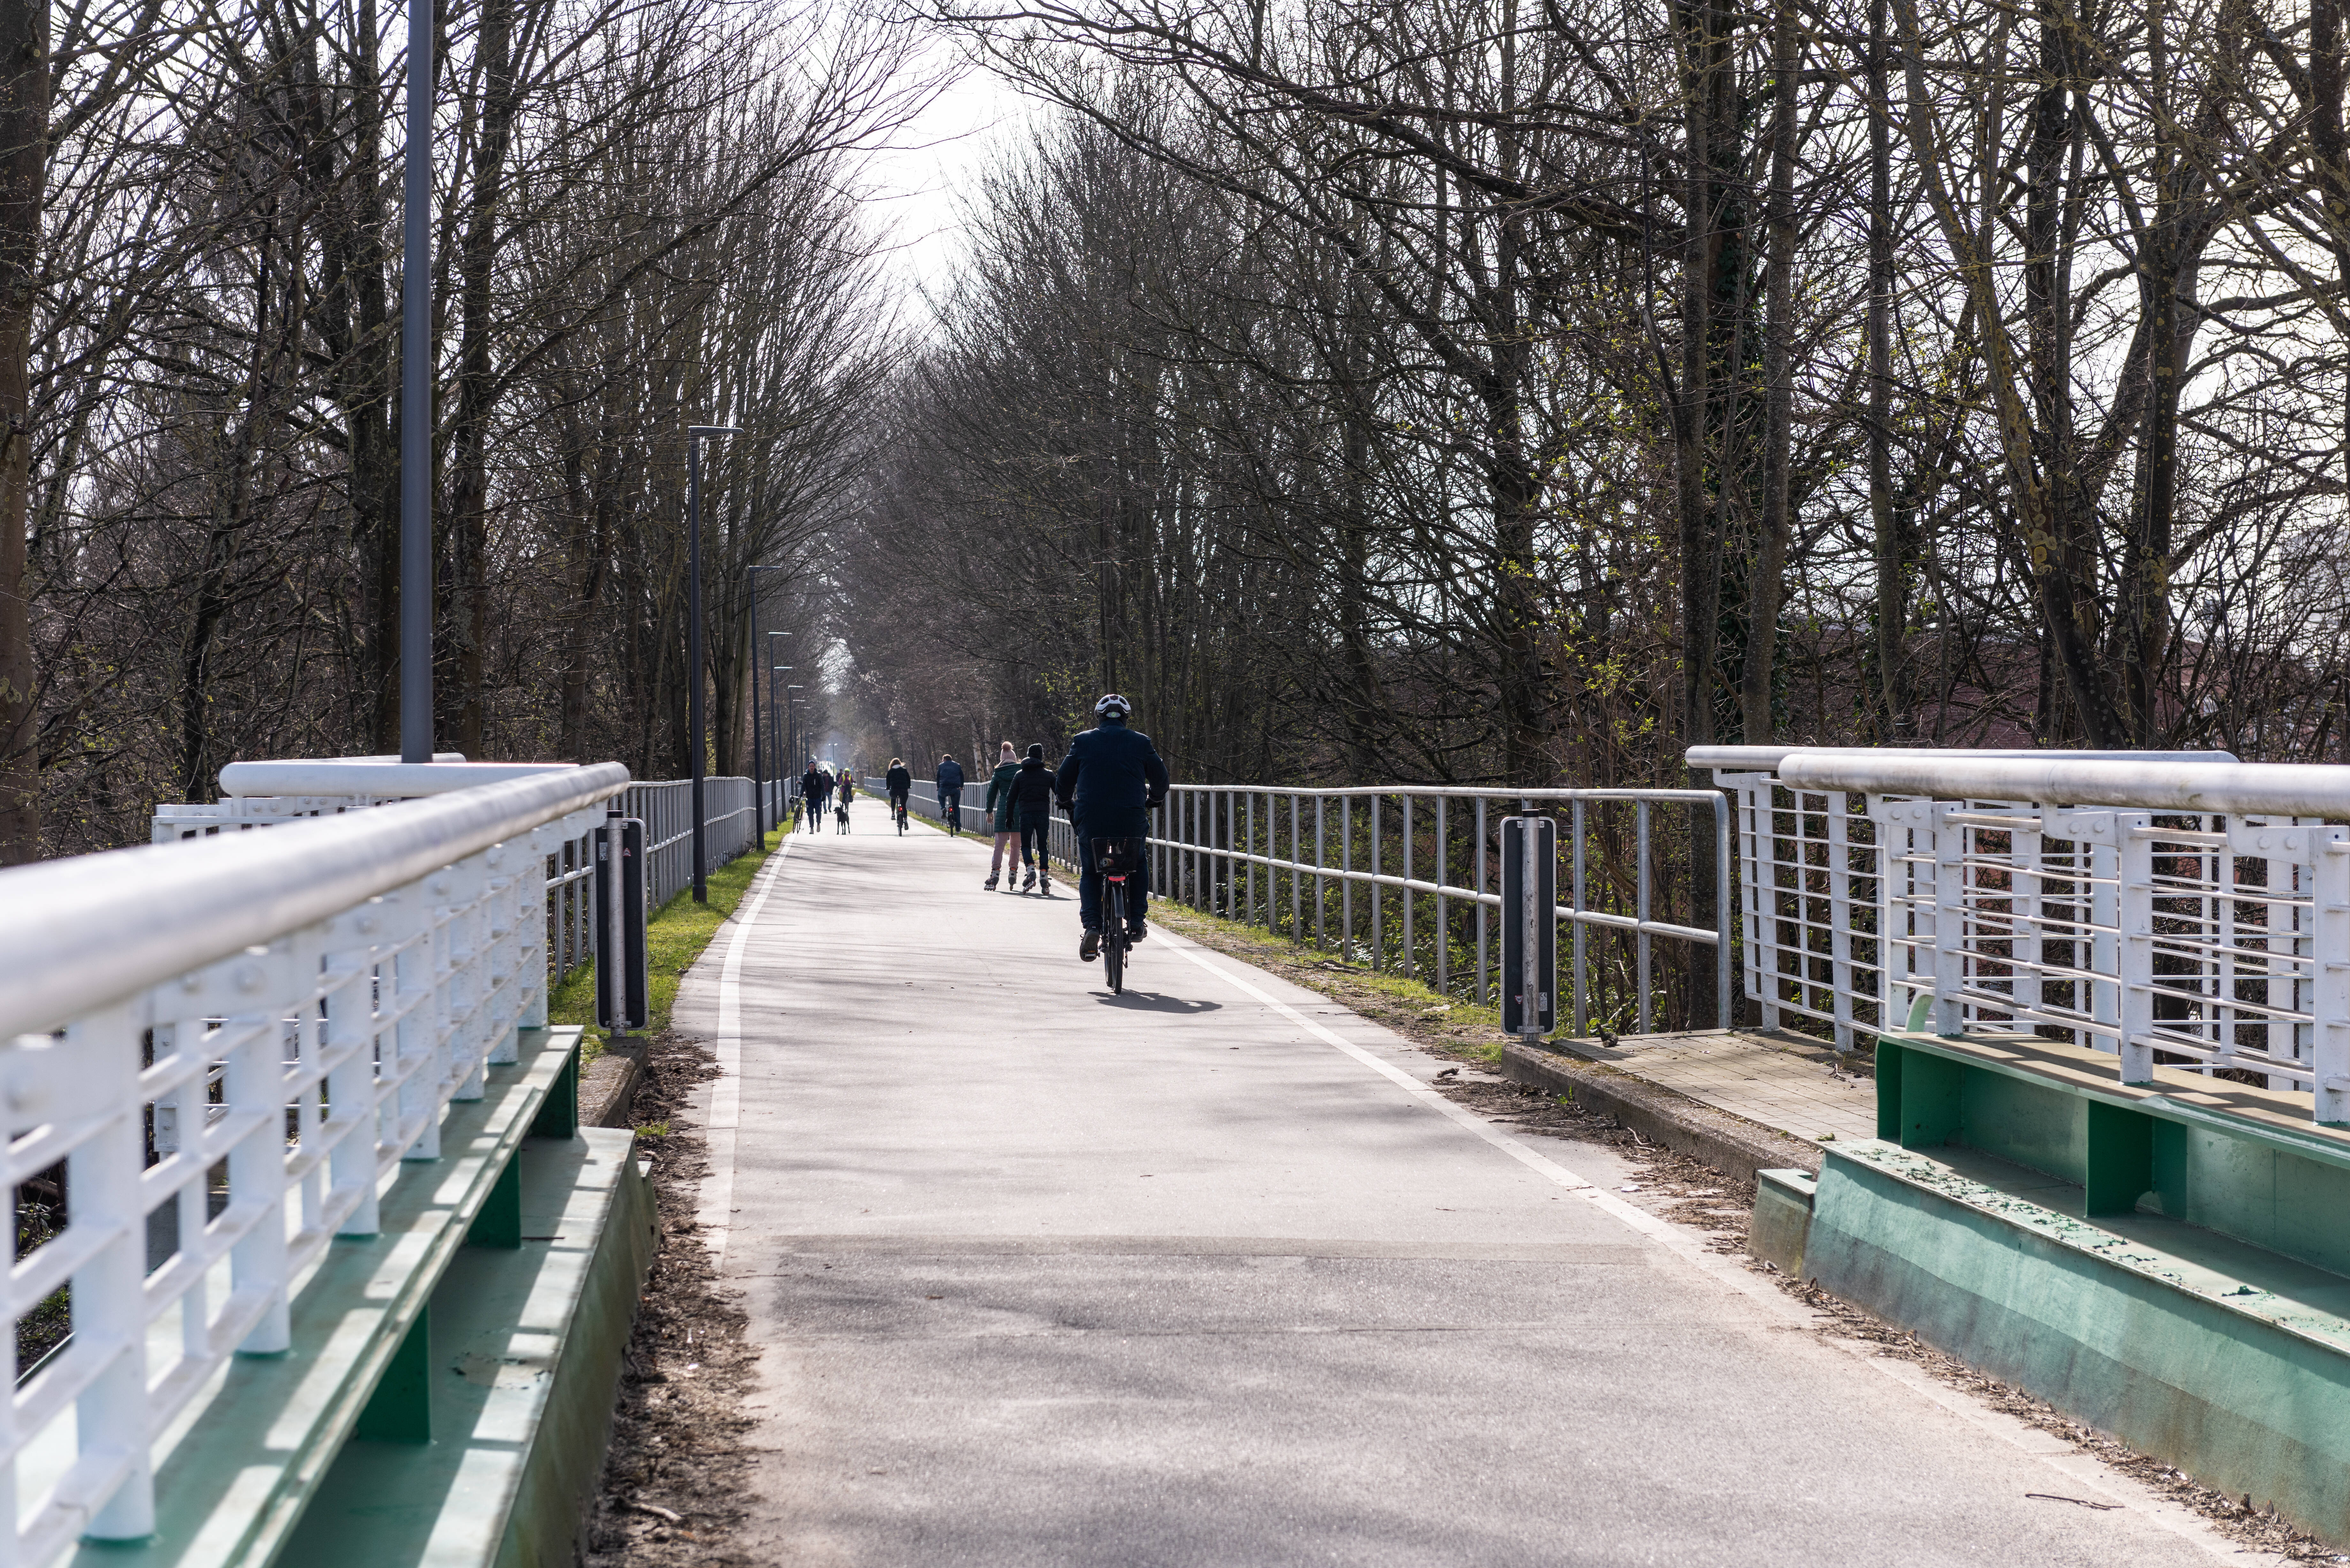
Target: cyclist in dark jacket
(950, 783)
(1109, 782)
(1028, 800)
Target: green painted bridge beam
(499, 1221)
(401, 1408)
(558, 1113)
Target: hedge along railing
(341, 981)
(260, 793)
(1811, 885)
(1405, 849)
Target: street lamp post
(775, 716)
(416, 401)
(694, 435)
(792, 706)
(758, 771)
(784, 769)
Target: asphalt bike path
(1206, 1274)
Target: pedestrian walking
(1000, 820)
(815, 788)
(1029, 799)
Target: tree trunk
(469, 527)
(23, 173)
(1885, 527)
(1765, 591)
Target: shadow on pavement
(1148, 1001)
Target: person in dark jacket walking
(815, 788)
(1029, 801)
(1109, 784)
(950, 783)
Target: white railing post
(1346, 882)
(1248, 851)
(1484, 995)
(1443, 925)
(1411, 956)
(2329, 1046)
(417, 972)
(1321, 884)
(108, 1305)
(1839, 879)
(1579, 829)
(1640, 947)
(2136, 831)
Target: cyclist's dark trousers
(951, 808)
(1035, 839)
(1134, 824)
(897, 803)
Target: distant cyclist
(1000, 820)
(950, 783)
(900, 782)
(1109, 784)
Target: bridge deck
(1202, 1275)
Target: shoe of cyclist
(1090, 948)
(1136, 931)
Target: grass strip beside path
(1447, 1025)
(674, 937)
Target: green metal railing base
(2064, 1232)
(524, 1356)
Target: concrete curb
(1731, 1144)
(608, 1089)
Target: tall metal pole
(788, 765)
(758, 734)
(694, 435)
(416, 401)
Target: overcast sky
(920, 182)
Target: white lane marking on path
(2081, 1469)
(726, 1093)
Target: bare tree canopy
(1451, 392)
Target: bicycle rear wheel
(1114, 937)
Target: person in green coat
(1000, 820)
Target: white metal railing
(2183, 910)
(295, 1008)
(1427, 861)
(1811, 886)
(259, 794)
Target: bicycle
(1118, 860)
(951, 810)
(897, 810)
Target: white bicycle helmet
(1113, 703)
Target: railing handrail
(1458, 792)
(1766, 759)
(84, 933)
(368, 775)
(2234, 789)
